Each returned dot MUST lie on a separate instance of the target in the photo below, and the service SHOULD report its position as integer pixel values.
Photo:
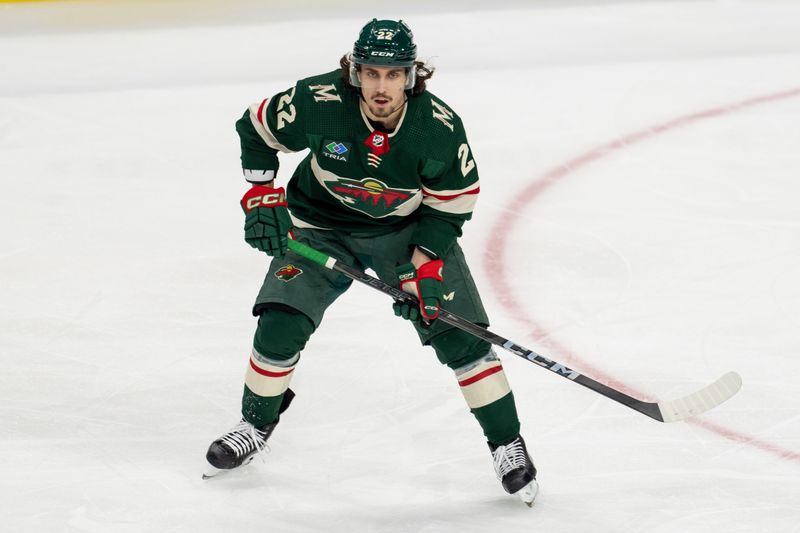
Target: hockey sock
(482, 382)
(260, 410)
(282, 332)
(489, 397)
(499, 420)
(265, 383)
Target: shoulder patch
(325, 93)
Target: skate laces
(244, 438)
(509, 457)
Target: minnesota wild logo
(369, 195)
(288, 273)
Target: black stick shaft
(647, 408)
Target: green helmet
(384, 43)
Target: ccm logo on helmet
(381, 53)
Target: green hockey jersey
(358, 179)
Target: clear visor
(355, 81)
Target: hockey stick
(667, 411)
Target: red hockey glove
(267, 221)
(425, 283)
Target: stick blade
(703, 400)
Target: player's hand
(425, 283)
(267, 222)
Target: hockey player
(387, 184)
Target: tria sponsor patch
(288, 273)
(338, 151)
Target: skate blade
(213, 471)
(528, 493)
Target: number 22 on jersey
(286, 112)
(467, 164)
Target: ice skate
(241, 444)
(515, 470)
(237, 447)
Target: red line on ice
(495, 252)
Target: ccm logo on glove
(425, 283)
(260, 196)
(267, 223)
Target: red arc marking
(493, 259)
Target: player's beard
(386, 110)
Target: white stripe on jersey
(460, 205)
(263, 130)
(452, 192)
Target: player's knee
(282, 332)
(456, 348)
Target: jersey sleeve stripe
(459, 205)
(447, 194)
(261, 111)
(446, 197)
(258, 116)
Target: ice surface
(656, 265)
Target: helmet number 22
(384, 35)
(467, 164)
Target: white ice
(657, 264)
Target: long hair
(424, 73)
